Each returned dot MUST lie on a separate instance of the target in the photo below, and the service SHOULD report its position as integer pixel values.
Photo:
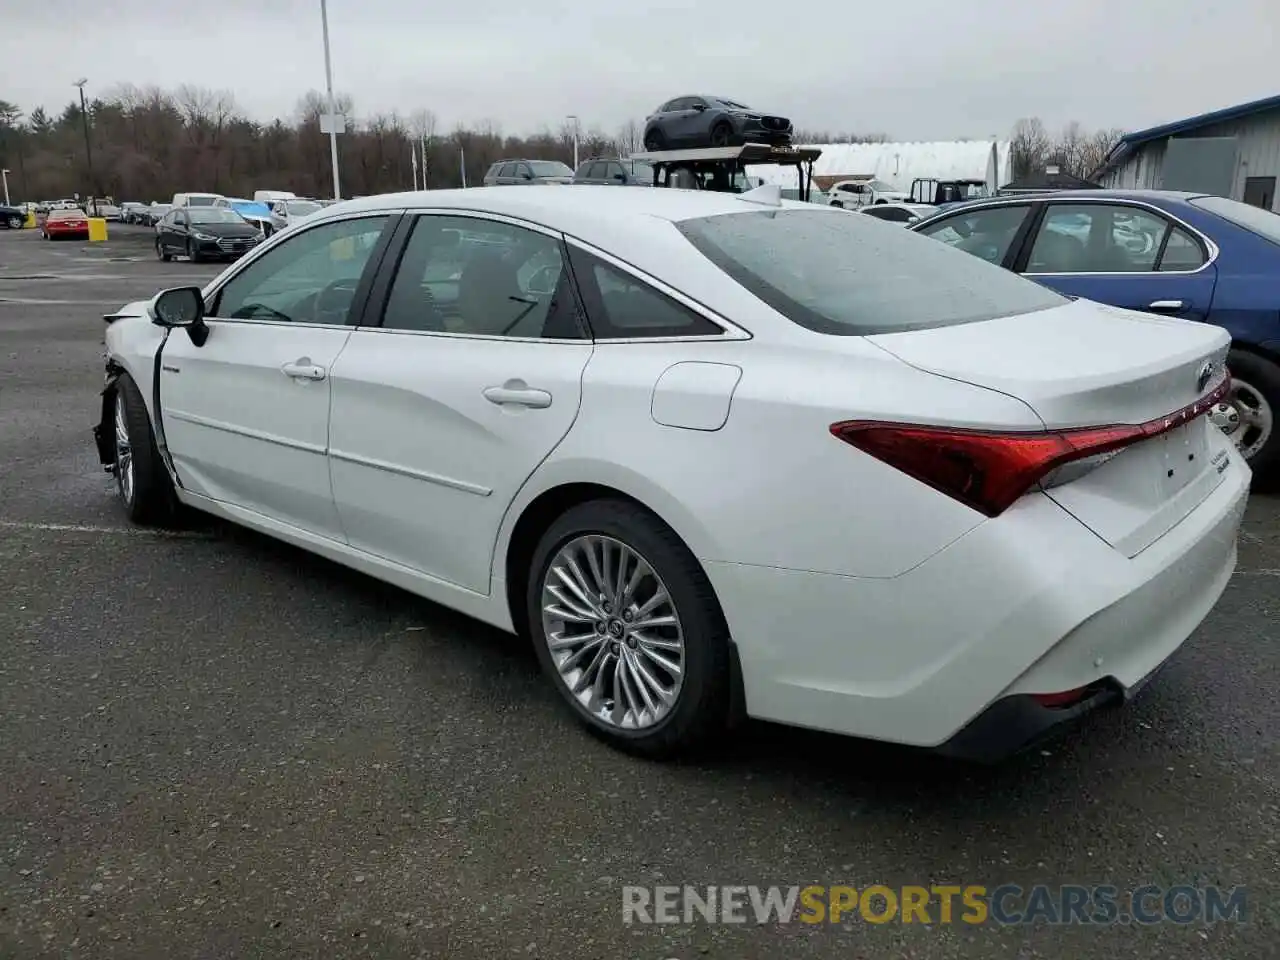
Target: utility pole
(4, 175)
(333, 110)
(575, 140)
(88, 146)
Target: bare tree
(1030, 147)
(630, 139)
(1096, 149)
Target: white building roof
(901, 163)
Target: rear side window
(848, 276)
(620, 306)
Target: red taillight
(989, 471)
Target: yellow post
(97, 229)
(30, 222)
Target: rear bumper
(1030, 603)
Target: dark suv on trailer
(527, 172)
(615, 171)
(689, 122)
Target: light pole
(333, 112)
(4, 175)
(575, 139)
(88, 147)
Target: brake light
(989, 471)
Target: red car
(65, 223)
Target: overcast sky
(915, 69)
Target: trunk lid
(1082, 365)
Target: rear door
(465, 376)
(1127, 255)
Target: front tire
(142, 482)
(192, 254)
(627, 627)
(654, 141)
(721, 135)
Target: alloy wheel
(613, 632)
(124, 451)
(1245, 416)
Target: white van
(266, 196)
(195, 199)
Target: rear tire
(1253, 405)
(687, 629)
(142, 481)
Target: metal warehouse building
(1233, 153)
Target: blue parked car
(1178, 254)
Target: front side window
(987, 234)
(309, 278)
(840, 274)
(484, 278)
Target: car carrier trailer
(718, 168)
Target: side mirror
(181, 307)
(526, 175)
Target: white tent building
(899, 164)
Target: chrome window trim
(1210, 248)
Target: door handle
(303, 369)
(518, 393)
(1166, 304)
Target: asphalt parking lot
(213, 745)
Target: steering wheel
(332, 304)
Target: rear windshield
(837, 273)
(550, 168)
(1254, 219)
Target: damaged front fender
(104, 435)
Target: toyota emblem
(1205, 375)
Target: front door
(246, 415)
(441, 414)
(1120, 254)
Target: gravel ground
(213, 745)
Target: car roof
(1177, 196)
(576, 209)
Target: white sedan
(715, 455)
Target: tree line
(1073, 149)
(149, 143)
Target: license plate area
(1184, 454)
(1138, 495)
